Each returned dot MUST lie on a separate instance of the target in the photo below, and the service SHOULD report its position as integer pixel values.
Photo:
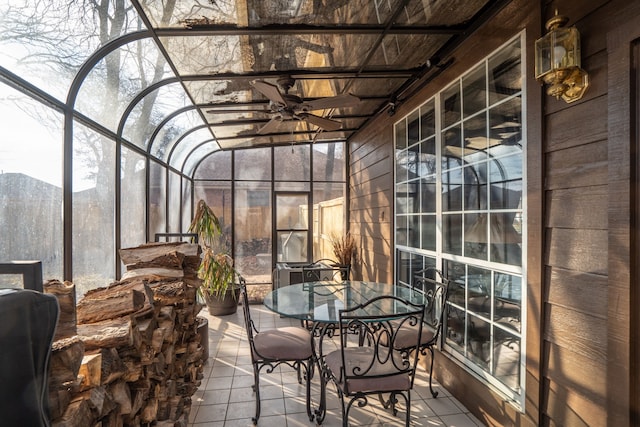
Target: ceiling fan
(285, 106)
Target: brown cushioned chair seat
(363, 356)
(406, 337)
(288, 343)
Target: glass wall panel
(328, 161)
(254, 164)
(186, 204)
(133, 195)
(157, 199)
(152, 110)
(218, 194)
(291, 186)
(30, 184)
(253, 248)
(202, 152)
(167, 135)
(328, 217)
(291, 163)
(215, 166)
(253, 229)
(185, 145)
(46, 43)
(174, 204)
(93, 210)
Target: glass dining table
(318, 304)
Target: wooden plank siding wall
(580, 365)
(371, 202)
(579, 385)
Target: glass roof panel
(189, 142)
(207, 54)
(217, 12)
(307, 50)
(451, 12)
(198, 154)
(264, 12)
(319, 13)
(400, 50)
(46, 42)
(171, 131)
(282, 139)
(219, 91)
(149, 113)
(200, 54)
(234, 114)
(116, 80)
(374, 87)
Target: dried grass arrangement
(344, 248)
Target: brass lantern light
(558, 61)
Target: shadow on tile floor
(225, 397)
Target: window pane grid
(466, 211)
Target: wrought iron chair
(323, 270)
(365, 364)
(435, 287)
(290, 346)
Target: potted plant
(344, 249)
(218, 288)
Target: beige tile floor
(225, 397)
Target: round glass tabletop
(321, 301)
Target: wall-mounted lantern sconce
(558, 61)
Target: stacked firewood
(134, 357)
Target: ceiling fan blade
(271, 126)
(340, 101)
(269, 90)
(321, 122)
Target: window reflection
(470, 210)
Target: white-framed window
(460, 191)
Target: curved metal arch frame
(139, 97)
(199, 162)
(69, 113)
(148, 90)
(182, 137)
(97, 56)
(184, 164)
(167, 119)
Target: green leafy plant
(216, 268)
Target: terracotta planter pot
(224, 305)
